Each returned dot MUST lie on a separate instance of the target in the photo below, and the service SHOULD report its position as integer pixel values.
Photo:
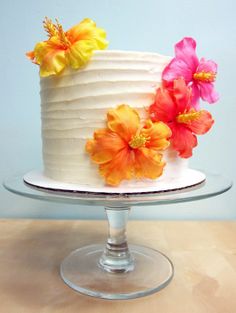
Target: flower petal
(119, 168)
(208, 92)
(87, 30)
(50, 57)
(183, 140)
(195, 95)
(185, 62)
(31, 56)
(84, 38)
(164, 108)
(104, 146)
(148, 163)
(207, 66)
(175, 69)
(123, 120)
(182, 95)
(79, 53)
(158, 134)
(202, 124)
(185, 51)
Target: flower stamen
(56, 30)
(185, 118)
(62, 35)
(207, 77)
(49, 27)
(138, 141)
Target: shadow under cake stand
(116, 270)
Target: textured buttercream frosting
(75, 103)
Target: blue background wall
(148, 25)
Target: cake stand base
(81, 270)
(115, 269)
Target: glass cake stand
(117, 270)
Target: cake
(115, 117)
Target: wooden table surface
(203, 253)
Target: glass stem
(116, 257)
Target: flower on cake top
(127, 149)
(72, 48)
(200, 75)
(173, 106)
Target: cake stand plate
(117, 270)
(189, 178)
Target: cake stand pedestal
(117, 270)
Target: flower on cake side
(72, 48)
(126, 149)
(173, 106)
(198, 74)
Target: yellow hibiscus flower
(72, 48)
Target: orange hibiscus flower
(72, 48)
(126, 149)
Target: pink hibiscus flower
(173, 107)
(200, 75)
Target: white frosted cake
(84, 91)
(75, 104)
